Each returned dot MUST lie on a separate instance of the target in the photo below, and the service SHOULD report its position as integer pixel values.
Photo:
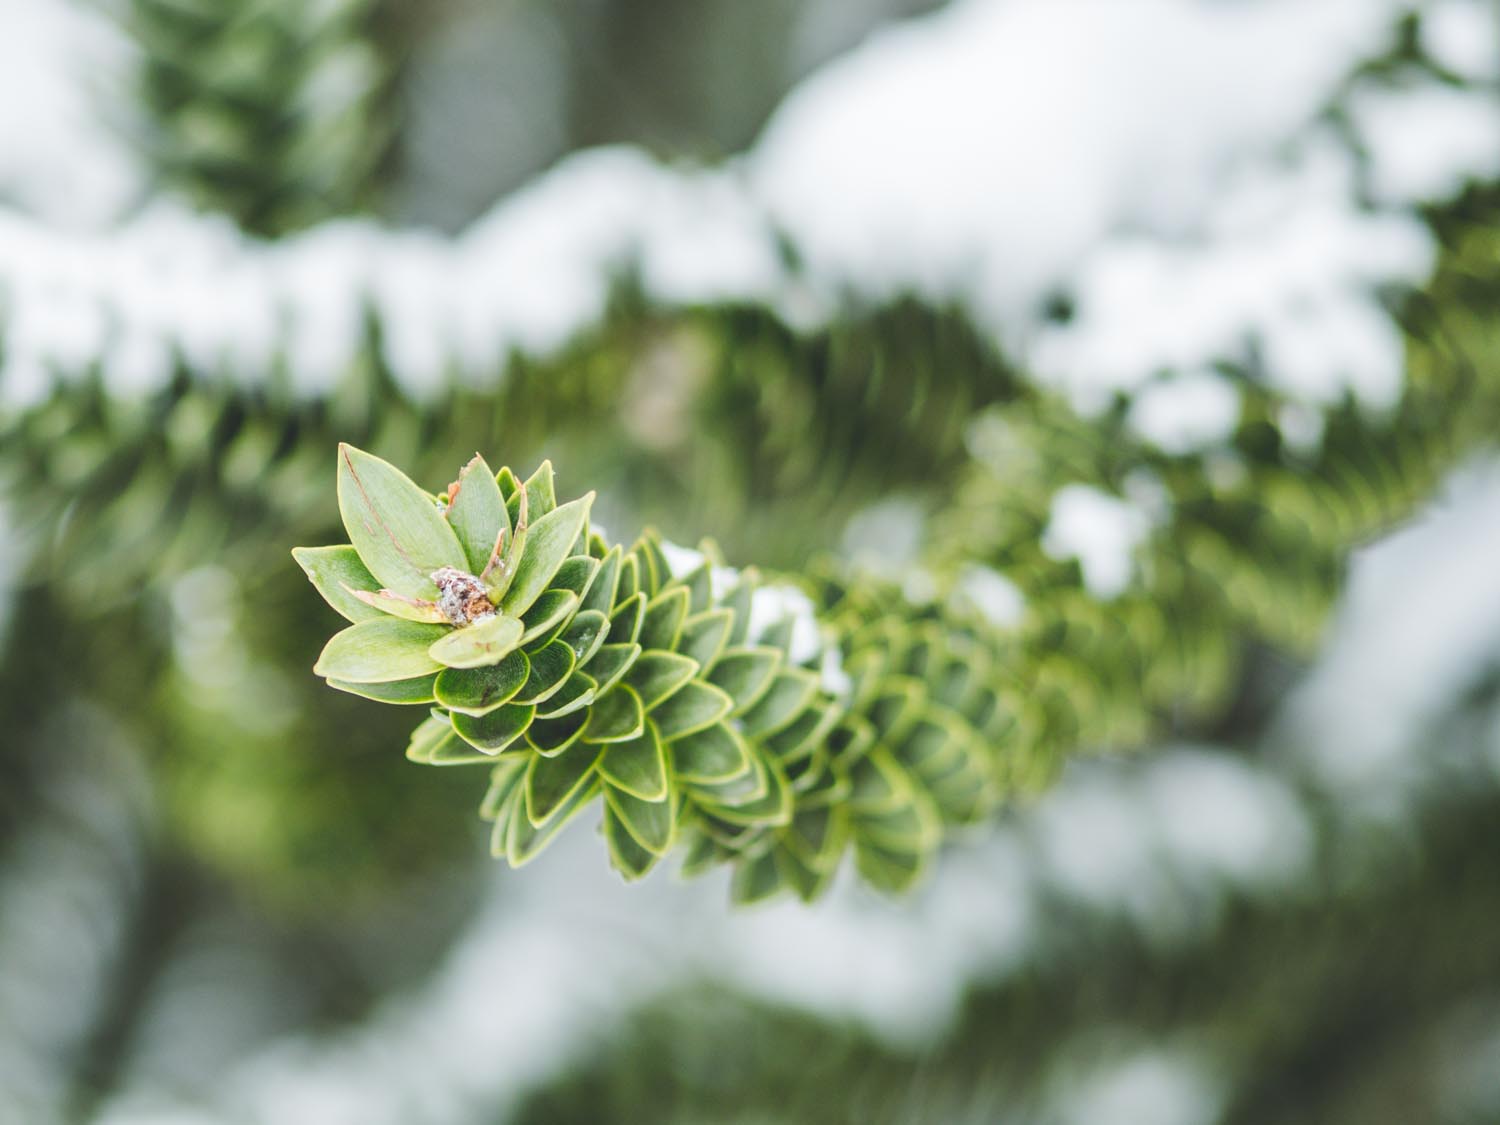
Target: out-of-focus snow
(71, 883)
(1190, 411)
(59, 159)
(775, 605)
(1463, 37)
(1427, 142)
(1159, 1085)
(527, 277)
(1100, 531)
(1422, 612)
(1163, 162)
(981, 151)
(1282, 283)
(996, 598)
(682, 560)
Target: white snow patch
(1421, 613)
(59, 160)
(1463, 36)
(1100, 531)
(1187, 413)
(1289, 267)
(682, 560)
(831, 674)
(996, 598)
(1237, 225)
(963, 154)
(528, 277)
(1425, 143)
(773, 604)
(1222, 821)
(1154, 1086)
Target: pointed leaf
(611, 663)
(625, 621)
(495, 731)
(755, 880)
(656, 675)
(500, 576)
(395, 526)
(650, 823)
(576, 574)
(399, 605)
(418, 690)
(703, 854)
(804, 734)
(630, 579)
(541, 494)
(601, 592)
(740, 790)
(625, 855)
(774, 807)
(638, 766)
(656, 571)
(508, 773)
(705, 635)
(334, 571)
(477, 514)
(817, 835)
(616, 717)
(485, 642)
(551, 665)
(664, 617)
(548, 542)
(778, 634)
(746, 674)
(524, 841)
(887, 869)
(506, 481)
(694, 707)
(585, 633)
(714, 754)
(791, 692)
(551, 782)
(478, 691)
(806, 880)
(879, 783)
(428, 733)
(578, 690)
(738, 603)
(379, 651)
(553, 736)
(550, 611)
(699, 585)
(454, 751)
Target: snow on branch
(1171, 166)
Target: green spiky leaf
(334, 572)
(477, 514)
(549, 541)
(485, 642)
(380, 651)
(395, 526)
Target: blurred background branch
(1116, 329)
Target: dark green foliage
(1337, 1003)
(276, 112)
